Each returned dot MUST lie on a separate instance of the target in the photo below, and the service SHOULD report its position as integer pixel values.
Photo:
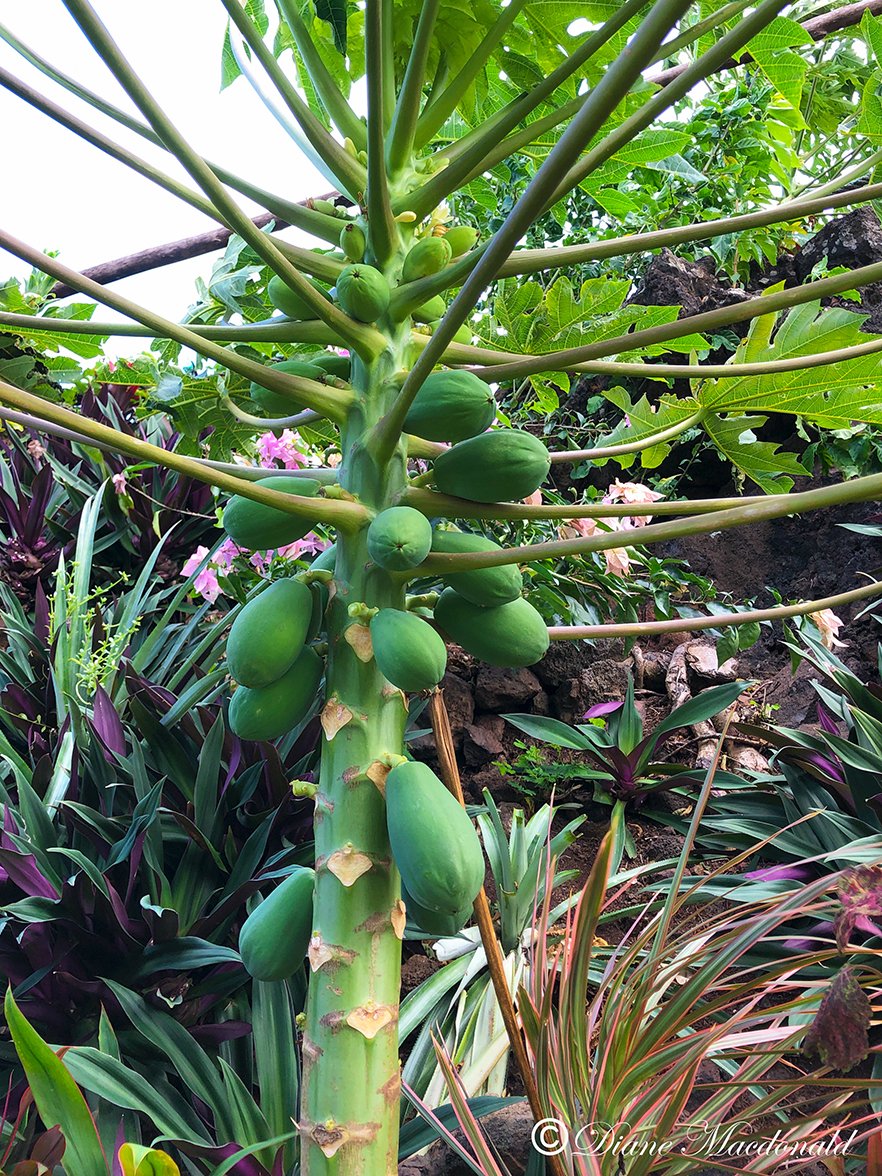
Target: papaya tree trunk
(351, 1081)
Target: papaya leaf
(772, 50)
(761, 461)
(832, 396)
(58, 1098)
(642, 420)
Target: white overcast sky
(61, 193)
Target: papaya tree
(451, 93)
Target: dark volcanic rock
(498, 689)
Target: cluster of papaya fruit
(438, 888)
(268, 652)
(364, 292)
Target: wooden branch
(170, 252)
(495, 963)
(817, 28)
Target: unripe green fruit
(353, 241)
(334, 365)
(433, 842)
(320, 596)
(407, 650)
(429, 311)
(487, 587)
(399, 538)
(461, 238)
(328, 207)
(428, 256)
(275, 937)
(274, 404)
(257, 527)
(451, 406)
(272, 711)
(509, 635)
(434, 923)
(326, 559)
(363, 292)
(500, 466)
(463, 333)
(269, 633)
(289, 302)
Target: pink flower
(225, 554)
(120, 484)
(618, 562)
(632, 492)
(534, 499)
(829, 625)
(206, 582)
(284, 449)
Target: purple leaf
(796, 873)
(224, 1031)
(23, 871)
(826, 721)
(839, 1033)
(601, 708)
(860, 891)
(107, 725)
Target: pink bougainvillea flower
(285, 449)
(206, 582)
(225, 554)
(829, 625)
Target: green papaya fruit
(433, 842)
(429, 311)
(508, 635)
(433, 923)
(275, 937)
(257, 527)
(461, 238)
(326, 559)
(363, 292)
(274, 404)
(399, 538)
(407, 650)
(487, 587)
(353, 241)
(451, 406)
(334, 365)
(288, 301)
(272, 711)
(269, 633)
(500, 466)
(463, 334)
(428, 256)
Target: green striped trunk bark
(351, 1080)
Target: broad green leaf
(136, 1160)
(58, 1098)
(772, 50)
(113, 1081)
(761, 461)
(832, 396)
(643, 419)
(702, 706)
(551, 731)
